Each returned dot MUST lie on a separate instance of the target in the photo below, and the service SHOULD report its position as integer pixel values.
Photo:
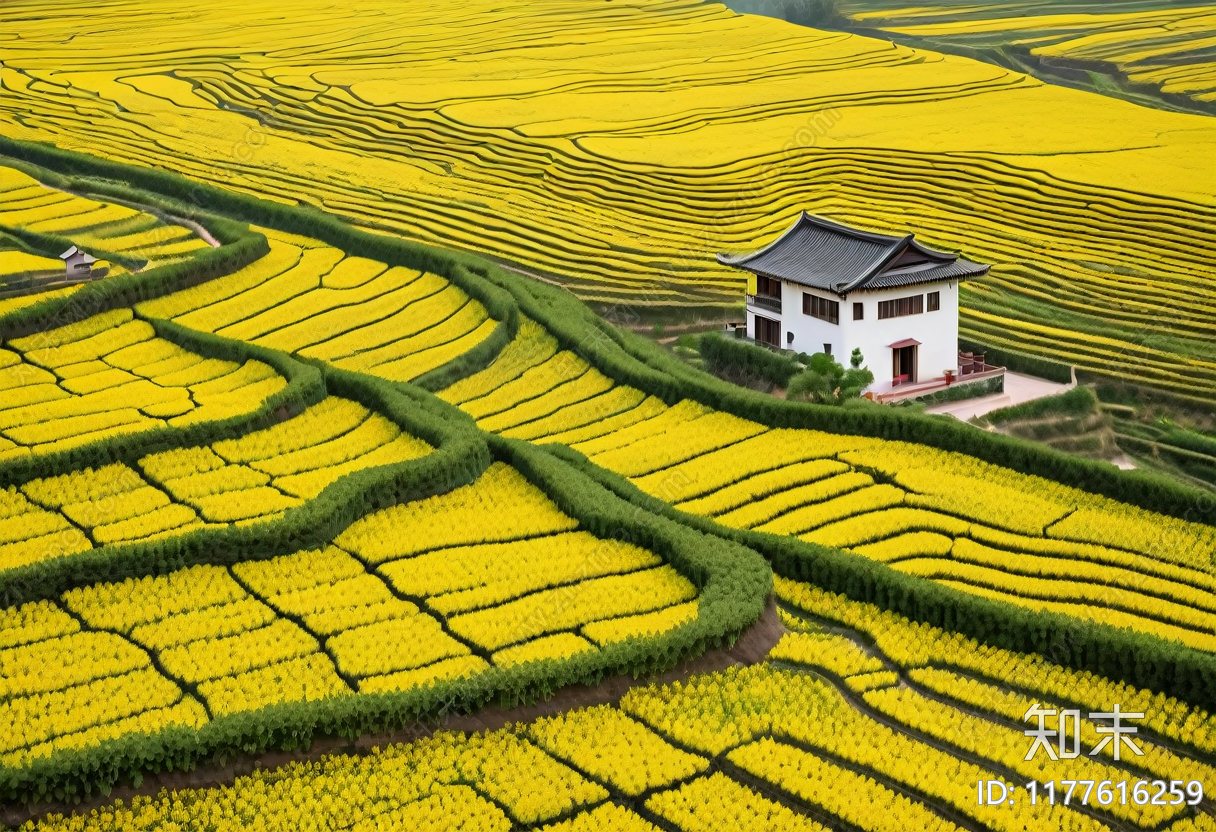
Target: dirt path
(751, 648)
(1019, 388)
(197, 228)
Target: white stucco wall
(936, 331)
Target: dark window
(859, 311)
(767, 286)
(827, 349)
(767, 331)
(935, 301)
(821, 308)
(914, 305)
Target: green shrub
(824, 381)
(959, 391)
(739, 360)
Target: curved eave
(965, 271)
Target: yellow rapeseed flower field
(317, 569)
(620, 147)
(1166, 47)
(390, 606)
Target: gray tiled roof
(836, 258)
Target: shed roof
(73, 251)
(836, 258)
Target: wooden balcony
(767, 302)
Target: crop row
(354, 313)
(254, 478)
(990, 722)
(108, 375)
(1151, 46)
(26, 203)
(914, 646)
(390, 606)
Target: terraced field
(318, 483)
(624, 180)
(802, 742)
(27, 204)
(1168, 48)
(492, 572)
(110, 374)
(357, 314)
(252, 479)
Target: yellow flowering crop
(598, 409)
(500, 506)
(91, 224)
(556, 646)
(532, 345)
(463, 578)
(715, 802)
(617, 419)
(112, 376)
(535, 378)
(1161, 761)
(350, 311)
(608, 744)
(1161, 46)
(914, 645)
(640, 625)
(835, 653)
(567, 395)
(855, 798)
(572, 606)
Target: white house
(825, 287)
(77, 263)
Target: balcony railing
(765, 302)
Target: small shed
(77, 263)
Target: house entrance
(903, 365)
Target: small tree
(824, 381)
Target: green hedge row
(1019, 362)
(731, 354)
(1079, 401)
(1116, 653)
(461, 455)
(734, 584)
